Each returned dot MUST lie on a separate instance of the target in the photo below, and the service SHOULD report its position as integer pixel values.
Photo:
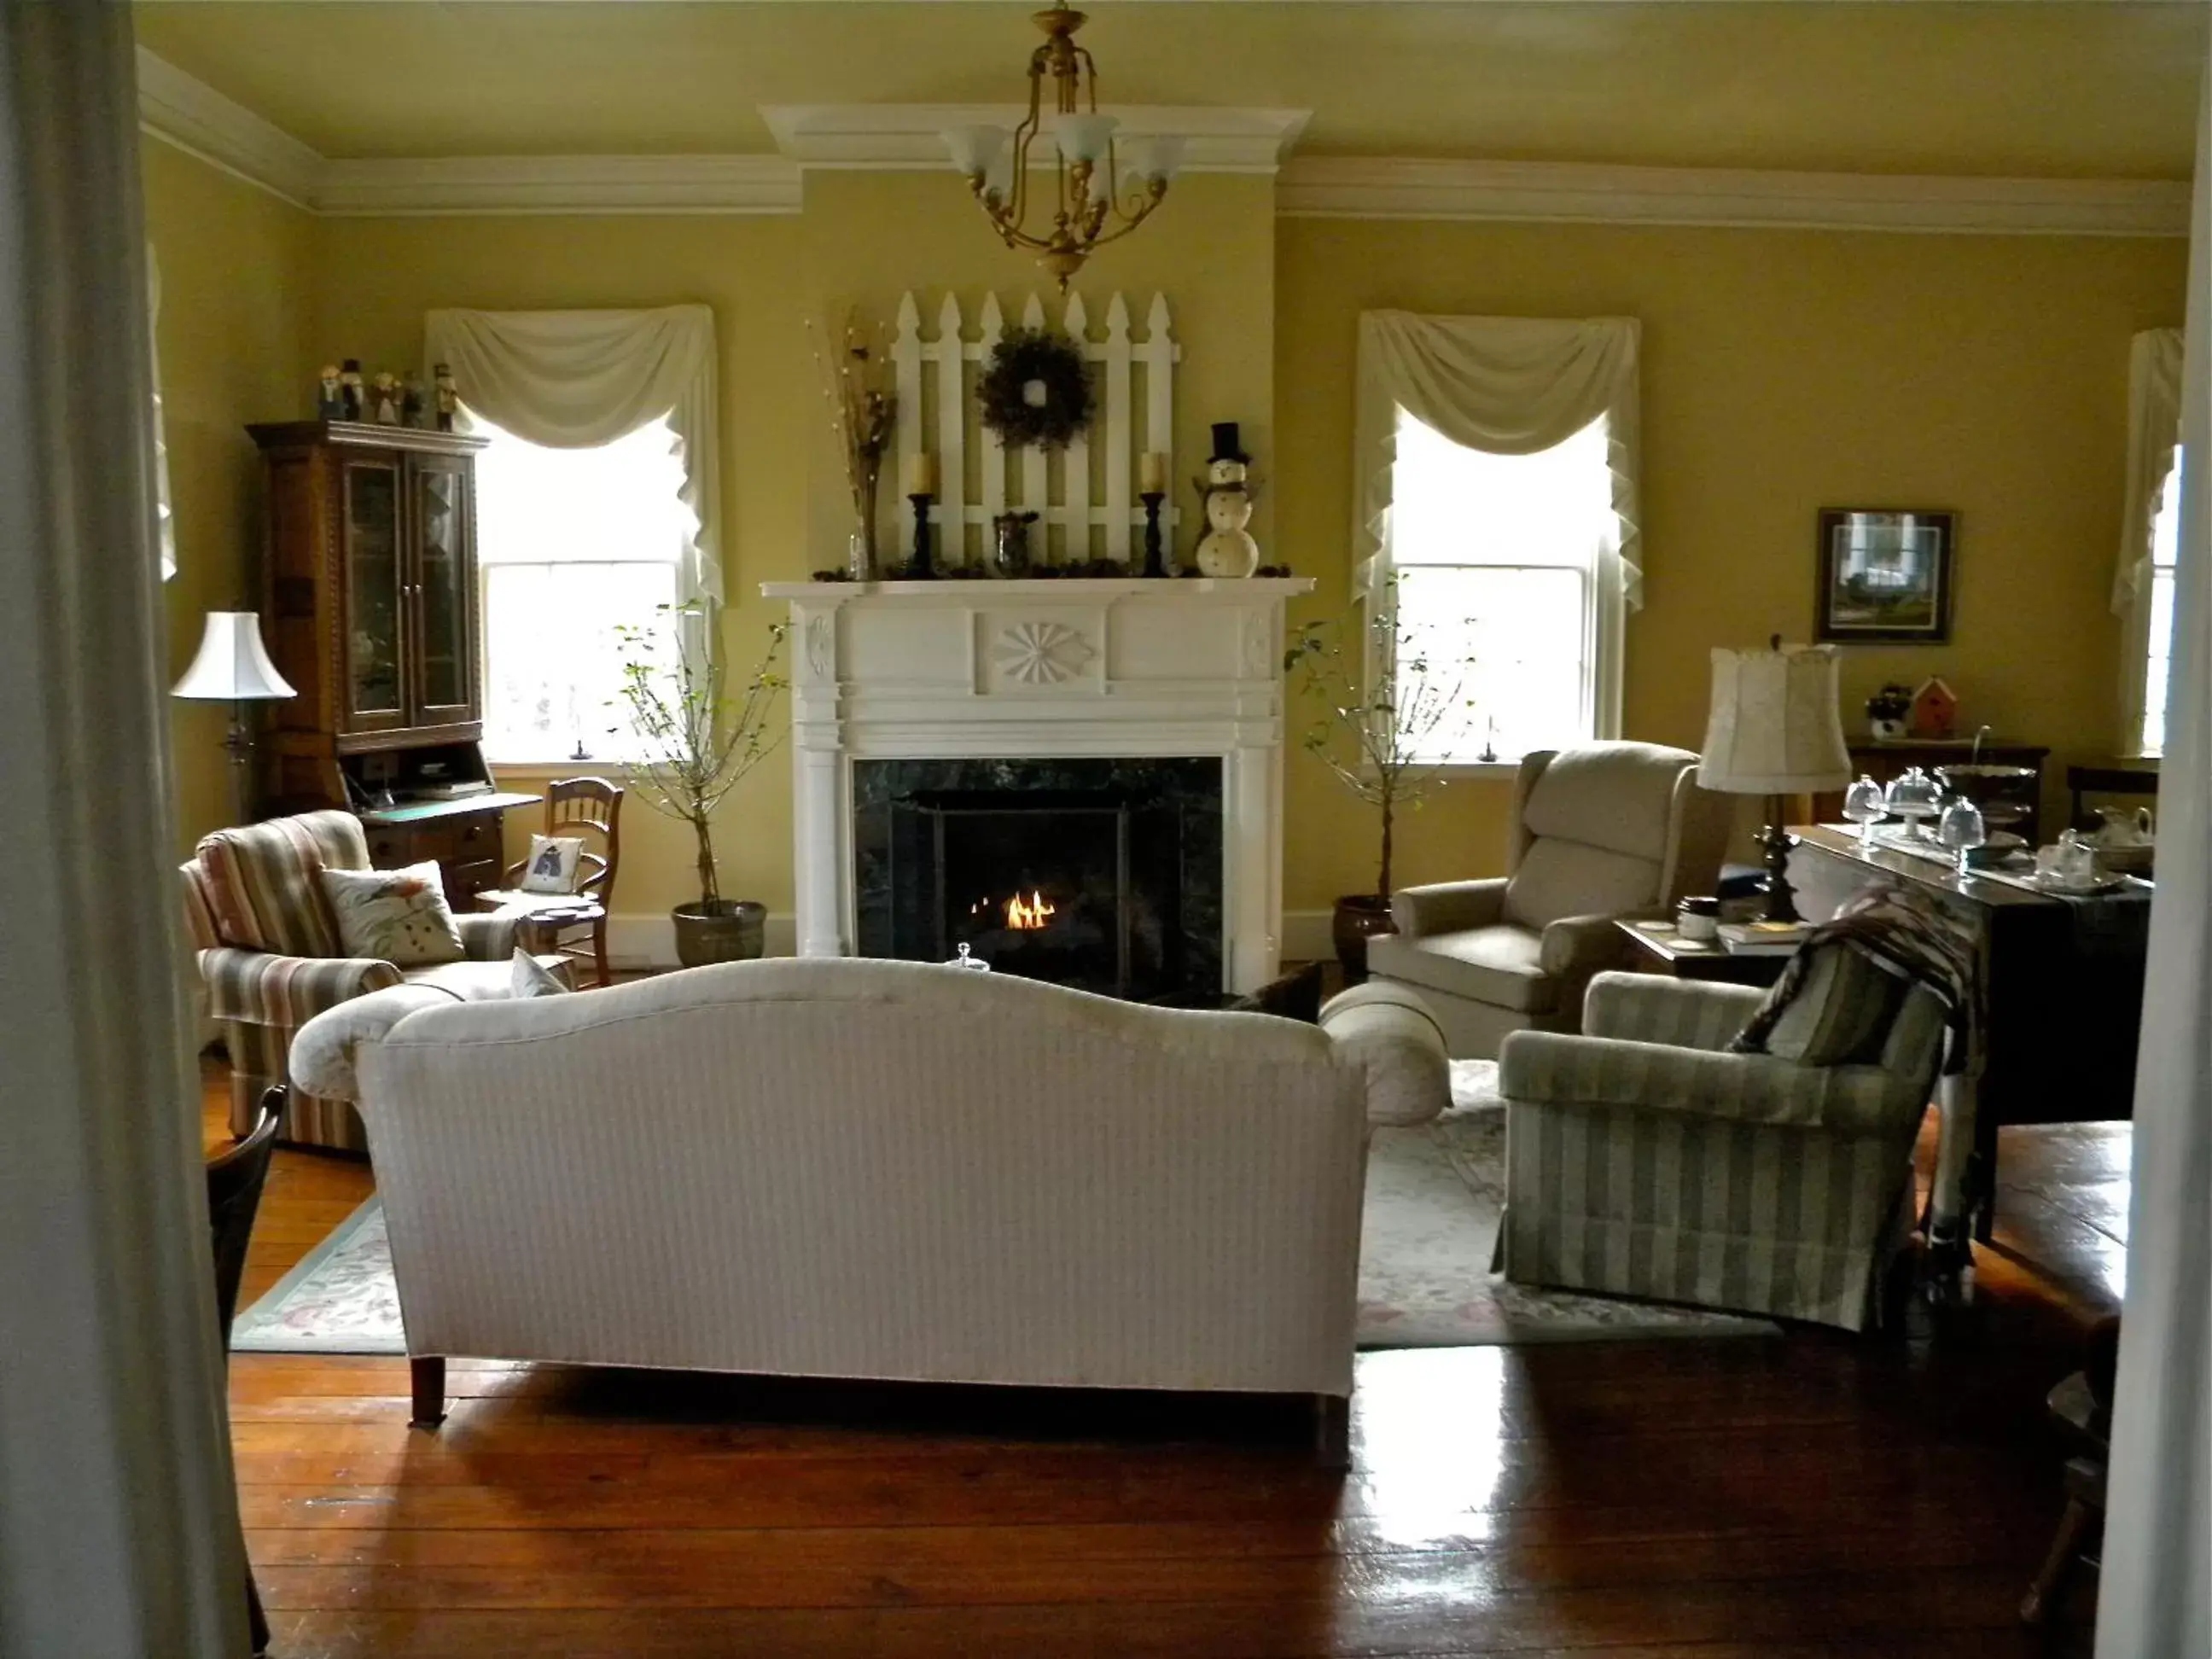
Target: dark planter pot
(729, 930)
(1358, 919)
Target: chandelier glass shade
(1089, 187)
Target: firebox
(1102, 874)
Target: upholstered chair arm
(1682, 1013)
(1392, 1037)
(1544, 1068)
(262, 988)
(1575, 947)
(322, 1056)
(489, 936)
(1447, 907)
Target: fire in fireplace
(1102, 874)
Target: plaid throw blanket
(1905, 932)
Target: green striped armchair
(268, 952)
(1644, 1159)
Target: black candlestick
(1774, 848)
(923, 568)
(1155, 555)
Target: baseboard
(637, 941)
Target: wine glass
(1865, 805)
(1960, 828)
(1914, 797)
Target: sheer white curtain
(118, 1525)
(575, 379)
(2154, 428)
(1507, 386)
(2153, 1598)
(167, 530)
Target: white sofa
(867, 1169)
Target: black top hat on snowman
(1225, 446)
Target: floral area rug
(1433, 1196)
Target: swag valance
(574, 380)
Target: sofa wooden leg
(430, 1381)
(1332, 1419)
(2065, 1546)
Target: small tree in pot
(1389, 699)
(694, 746)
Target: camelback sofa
(869, 1169)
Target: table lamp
(233, 667)
(1774, 731)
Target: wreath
(1028, 358)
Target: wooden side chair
(234, 1180)
(574, 925)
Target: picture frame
(1884, 574)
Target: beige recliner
(1609, 830)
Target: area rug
(1433, 1196)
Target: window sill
(555, 769)
(1475, 770)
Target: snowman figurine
(1227, 547)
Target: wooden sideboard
(1883, 760)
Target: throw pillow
(551, 866)
(399, 916)
(1843, 1005)
(532, 978)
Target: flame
(1026, 915)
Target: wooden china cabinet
(369, 607)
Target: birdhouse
(1934, 709)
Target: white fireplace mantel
(1041, 669)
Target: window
(574, 544)
(2158, 610)
(1497, 558)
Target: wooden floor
(1809, 1495)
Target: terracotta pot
(728, 930)
(1359, 918)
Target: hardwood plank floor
(1812, 1495)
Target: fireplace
(1104, 874)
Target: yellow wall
(231, 338)
(863, 240)
(1782, 371)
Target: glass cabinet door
(375, 695)
(444, 591)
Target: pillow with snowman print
(399, 916)
(551, 866)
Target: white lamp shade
(1085, 138)
(1774, 728)
(974, 148)
(232, 666)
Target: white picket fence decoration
(1072, 526)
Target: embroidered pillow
(1842, 1012)
(551, 866)
(532, 978)
(399, 916)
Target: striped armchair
(1644, 1159)
(269, 951)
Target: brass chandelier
(1084, 205)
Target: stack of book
(1762, 939)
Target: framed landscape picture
(1884, 574)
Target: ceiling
(2061, 89)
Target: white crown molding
(1346, 187)
(194, 117)
(909, 137)
(560, 183)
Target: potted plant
(694, 746)
(1385, 697)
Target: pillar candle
(1152, 474)
(921, 473)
